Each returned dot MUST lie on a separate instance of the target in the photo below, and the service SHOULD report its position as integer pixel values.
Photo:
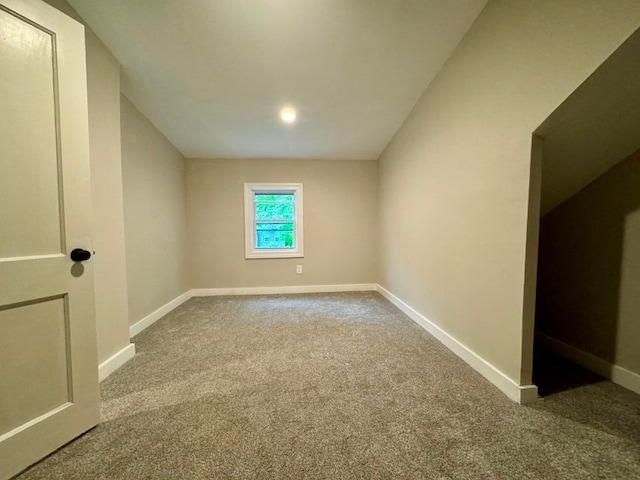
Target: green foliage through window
(274, 207)
(271, 213)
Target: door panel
(48, 362)
(36, 387)
(29, 212)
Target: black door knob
(80, 255)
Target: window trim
(250, 250)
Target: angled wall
(454, 181)
(153, 173)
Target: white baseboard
(353, 287)
(626, 378)
(139, 326)
(580, 357)
(114, 362)
(150, 319)
(610, 371)
(518, 393)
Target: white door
(48, 365)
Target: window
(273, 220)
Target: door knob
(80, 255)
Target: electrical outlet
(299, 269)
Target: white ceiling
(213, 74)
(594, 129)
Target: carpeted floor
(332, 386)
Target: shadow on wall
(589, 277)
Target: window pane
(274, 235)
(274, 206)
(273, 220)
(275, 197)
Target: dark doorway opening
(587, 309)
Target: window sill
(254, 255)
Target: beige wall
(103, 84)
(155, 214)
(454, 181)
(112, 311)
(589, 274)
(339, 222)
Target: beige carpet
(332, 386)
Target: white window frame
(250, 250)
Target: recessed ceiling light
(288, 115)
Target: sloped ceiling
(213, 74)
(594, 129)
